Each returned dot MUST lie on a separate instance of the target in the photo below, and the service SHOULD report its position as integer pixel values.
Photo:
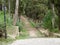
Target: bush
(1, 17)
(47, 21)
(8, 21)
(20, 24)
(55, 30)
(1, 20)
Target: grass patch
(6, 41)
(32, 24)
(8, 21)
(23, 34)
(23, 31)
(55, 30)
(1, 17)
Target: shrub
(1, 20)
(8, 21)
(47, 21)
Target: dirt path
(37, 41)
(32, 31)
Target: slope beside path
(32, 31)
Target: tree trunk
(54, 15)
(9, 7)
(16, 13)
(5, 21)
(2, 5)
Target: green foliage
(20, 24)
(7, 41)
(47, 21)
(1, 26)
(8, 21)
(32, 24)
(22, 30)
(55, 30)
(23, 35)
(34, 9)
(1, 17)
(1, 20)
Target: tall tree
(16, 13)
(2, 5)
(9, 6)
(53, 12)
(5, 21)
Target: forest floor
(34, 36)
(32, 32)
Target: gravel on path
(37, 41)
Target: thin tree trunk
(2, 5)
(54, 15)
(5, 21)
(15, 17)
(9, 7)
